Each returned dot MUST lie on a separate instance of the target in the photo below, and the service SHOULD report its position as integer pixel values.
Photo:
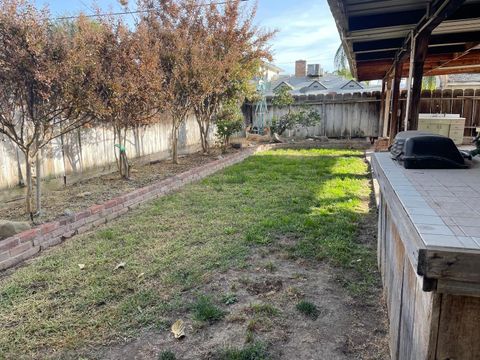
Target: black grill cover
(422, 150)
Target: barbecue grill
(423, 150)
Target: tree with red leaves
(43, 80)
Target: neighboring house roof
(312, 86)
(319, 85)
(278, 85)
(352, 85)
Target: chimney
(300, 68)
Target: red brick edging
(24, 245)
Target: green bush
(304, 116)
(228, 122)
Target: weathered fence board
(343, 115)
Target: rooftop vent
(314, 70)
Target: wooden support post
(382, 109)
(395, 101)
(421, 48)
(388, 102)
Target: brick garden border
(20, 247)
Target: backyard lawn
(271, 258)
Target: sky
(306, 29)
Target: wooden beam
(388, 106)
(421, 48)
(382, 109)
(395, 103)
(456, 57)
(440, 13)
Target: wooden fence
(343, 115)
(93, 148)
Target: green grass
(308, 309)
(176, 244)
(166, 355)
(205, 310)
(256, 351)
(264, 309)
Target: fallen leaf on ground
(120, 266)
(178, 329)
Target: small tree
(127, 81)
(230, 55)
(174, 25)
(229, 121)
(42, 83)
(304, 116)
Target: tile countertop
(443, 205)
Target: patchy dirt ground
(346, 328)
(95, 189)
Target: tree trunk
(174, 144)
(21, 181)
(79, 139)
(203, 138)
(117, 139)
(28, 176)
(202, 130)
(38, 188)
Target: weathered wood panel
(407, 318)
(459, 329)
(395, 258)
(450, 265)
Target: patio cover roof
(376, 34)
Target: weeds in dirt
(308, 309)
(271, 267)
(256, 351)
(229, 299)
(166, 355)
(206, 311)
(264, 309)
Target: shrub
(305, 116)
(229, 121)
